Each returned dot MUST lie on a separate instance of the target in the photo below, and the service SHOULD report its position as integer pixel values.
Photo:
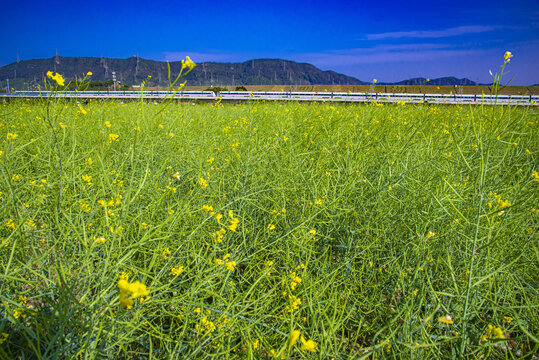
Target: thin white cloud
(328, 59)
(384, 54)
(456, 31)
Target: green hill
(443, 81)
(27, 74)
(134, 70)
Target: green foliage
(241, 88)
(359, 225)
(216, 89)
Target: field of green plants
(268, 230)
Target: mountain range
(131, 71)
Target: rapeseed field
(268, 230)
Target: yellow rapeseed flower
(308, 345)
(113, 137)
(233, 225)
(176, 270)
(10, 224)
(295, 280)
(59, 79)
(84, 206)
(507, 320)
(294, 301)
(130, 291)
(89, 73)
(233, 221)
(188, 63)
(219, 234)
(87, 178)
(293, 338)
(203, 183)
(230, 265)
(507, 56)
(493, 332)
(100, 240)
(445, 319)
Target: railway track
(239, 96)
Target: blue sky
(387, 40)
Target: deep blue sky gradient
(387, 40)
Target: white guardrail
(526, 100)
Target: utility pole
(8, 88)
(114, 79)
(136, 69)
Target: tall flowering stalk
(496, 84)
(186, 64)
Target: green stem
(59, 199)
